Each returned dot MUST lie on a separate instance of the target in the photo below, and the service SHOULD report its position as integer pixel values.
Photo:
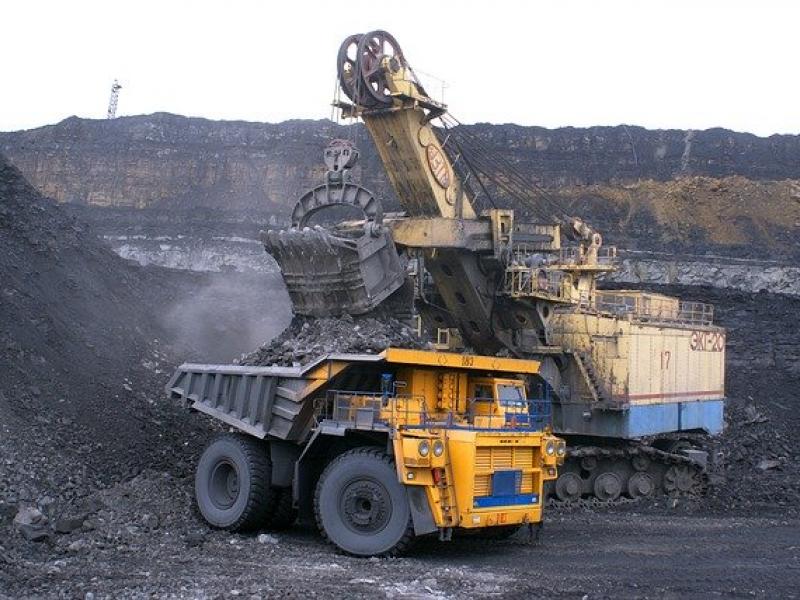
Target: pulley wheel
(607, 486)
(569, 487)
(346, 64)
(371, 85)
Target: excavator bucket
(328, 275)
(347, 270)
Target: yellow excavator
(635, 378)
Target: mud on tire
(361, 507)
(232, 483)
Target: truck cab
(504, 400)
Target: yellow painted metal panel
(460, 361)
(402, 139)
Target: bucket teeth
(328, 275)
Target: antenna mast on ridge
(112, 103)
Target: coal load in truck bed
(307, 338)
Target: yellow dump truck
(379, 449)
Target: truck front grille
(489, 459)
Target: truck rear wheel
(232, 483)
(361, 507)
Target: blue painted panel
(640, 419)
(490, 501)
(650, 419)
(702, 415)
(506, 483)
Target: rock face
(580, 156)
(730, 274)
(173, 161)
(168, 159)
(732, 215)
(683, 191)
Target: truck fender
(284, 457)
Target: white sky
(675, 64)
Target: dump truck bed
(278, 401)
(260, 401)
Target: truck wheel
(284, 514)
(232, 483)
(361, 507)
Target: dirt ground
(581, 554)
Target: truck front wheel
(232, 483)
(361, 507)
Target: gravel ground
(145, 541)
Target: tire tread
(406, 541)
(262, 496)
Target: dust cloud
(229, 314)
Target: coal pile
(307, 339)
(82, 369)
(759, 453)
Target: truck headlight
(562, 449)
(424, 448)
(438, 448)
(550, 448)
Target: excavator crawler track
(597, 476)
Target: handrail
(651, 308)
(371, 410)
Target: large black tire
(232, 483)
(284, 514)
(361, 507)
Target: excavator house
(635, 379)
